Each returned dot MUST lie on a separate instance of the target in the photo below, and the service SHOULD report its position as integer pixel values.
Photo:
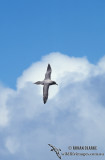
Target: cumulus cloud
(73, 115)
(4, 112)
(12, 145)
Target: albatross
(46, 83)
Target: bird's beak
(56, 84)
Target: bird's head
(55, 83)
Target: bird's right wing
(48, 72)
(45, 92)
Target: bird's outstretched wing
(48, 72)
(45, 92)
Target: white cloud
(62, 66)
(12, 145)
(4, 112)
(73, 115)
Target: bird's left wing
(45, 92)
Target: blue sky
(69, 35)
(31, 29)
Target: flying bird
(56, 150)
(46, 83)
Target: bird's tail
(38, 82)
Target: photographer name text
(82, 147)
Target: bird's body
(46, 83)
